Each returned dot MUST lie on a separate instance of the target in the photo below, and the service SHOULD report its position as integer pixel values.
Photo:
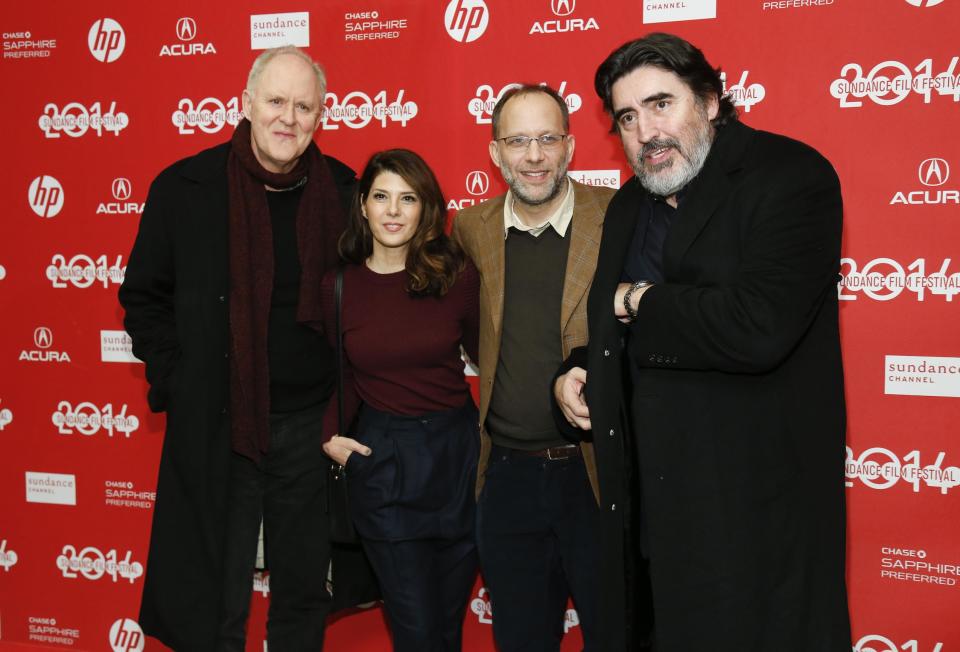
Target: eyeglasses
(546, 141)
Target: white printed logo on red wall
(478, 183)
(123, 493)
(878, 643)
(6, 416)
(466, 20)
(600, 178)
(482, 104)
(933, 174)
(75, 120)
(910, 375)
(357, 110)
(45, 630)
(667, 11)
(276, 30)
(51, 488)
(186, 30)
(209, 115)
(43, 341)
(261, 583)
(86, 418)
(481, 606)
(83, 271)
(45, 196)
(884, 279)
(106, 40)
(924, 3)
(915, 565)
(891, 82)
(126, 636)
(27, 45)
(122, 190)
(743, 94)
(880, 468)
(91, 563)
(116, 346)
(8, 557)
(563, 20)
(372, 26)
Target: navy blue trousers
(412, 504)
(537, 532)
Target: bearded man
(712, 385)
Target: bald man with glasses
(536, 248)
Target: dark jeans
(537, 529)
(288, 488)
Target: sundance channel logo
(276, 30)
(910, 375)
(668, 11)
(51, 488)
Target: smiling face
(284, 110)
(535, 174)
(664, 127)
(392, 210)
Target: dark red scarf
(319, 223)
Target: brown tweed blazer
(479, 229)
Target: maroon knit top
(402, 353)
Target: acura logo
(563, 7)
(121, 189)
(478, 182)
(186, 29)
(42, 337)
(934, 172)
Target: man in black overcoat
(222, 301)
(713, 376)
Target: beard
(520, 192)
(667, 178)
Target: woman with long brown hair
(409, 302)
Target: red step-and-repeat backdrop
(99, 96)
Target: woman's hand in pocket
(340, 448)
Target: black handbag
(338, 500)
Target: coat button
(221, 298)
(606, 353)
(611, 432)
(613, 507)
(226, 355)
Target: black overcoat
(175, 295)
(736, 402)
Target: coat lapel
(492, 248)
(586, 227)
(706, 192)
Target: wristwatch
(628, 295)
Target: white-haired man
(222, 301)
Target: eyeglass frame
(530, 139)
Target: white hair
(268, 55)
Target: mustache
(660, 143)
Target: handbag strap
(338, 300)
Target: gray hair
(268, 55)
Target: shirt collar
(560, 220)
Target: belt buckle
(558, 449)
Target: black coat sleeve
(577, 358)
(788, 266)
(147, 294)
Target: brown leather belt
(555, 453)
